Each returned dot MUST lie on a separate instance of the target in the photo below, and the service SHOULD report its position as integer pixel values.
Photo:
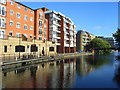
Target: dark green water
(101, 71)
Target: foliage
(99, 45)
(116, 35)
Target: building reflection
(82, 66)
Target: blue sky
(99, 18)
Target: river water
(93, 71)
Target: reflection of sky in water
(81, 72)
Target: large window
(3, 1)
(5, 48)
(51, 48)
(2, 10)
(2, 22)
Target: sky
(98, 18)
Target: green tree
(116, 35)
(99, 45)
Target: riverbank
(42, 59)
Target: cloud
(97, 27)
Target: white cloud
(97, 27)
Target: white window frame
(25, 27)
(25, 17)
(11, 22)
(31, 19)
(3, 1)
(31, 27)
(11, 12)
(19, 15)
(18, 35)
(11, 2)
(17, 25)
(18, 6)
(2, 22)
(2, 10)
(10, 32)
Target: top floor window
(11, 2)
(3, 1)
(25, 17)
(18, 6)
(40, 15)
(26, 9)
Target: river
(92, 71)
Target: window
(11, 12)
(31, 27)
(40, 38)
(17, 35)
(25, 26)
(45, 27)
(11, 2)
(11, 23)
(31, 11)
(40, 15)
(18, 15)
(5, 48)
(51, 48)
(40, 23)
(2, 34)
(25, 17)
(40, 31)
(26, 9)
(18, 6)
(3, 1)
(31, 19)
(10, 33)
(18, 25)
(2, 22)
(2, 10)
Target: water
(79, 72)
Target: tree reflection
(117, 72)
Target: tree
(99, 45)
(116, 35)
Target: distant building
(83, 37)
(109, 39)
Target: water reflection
(60, 74)
(117, 72)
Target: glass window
(11, 23)
(3, 1)
(26, 9)
(11, 12)
(31, 19)
(40, 23)
(18, 6)
(18, 25)
(2, 10)
(11, 2)
(18, 15)
(40, 38)
(31, 27)
(25, 27)
(25, 17)
(2, 22)
(40, 31)
(17, 35)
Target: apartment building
(61, 30)
(41, 25)
(20, 20)
(2, 18)
(83, 37)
